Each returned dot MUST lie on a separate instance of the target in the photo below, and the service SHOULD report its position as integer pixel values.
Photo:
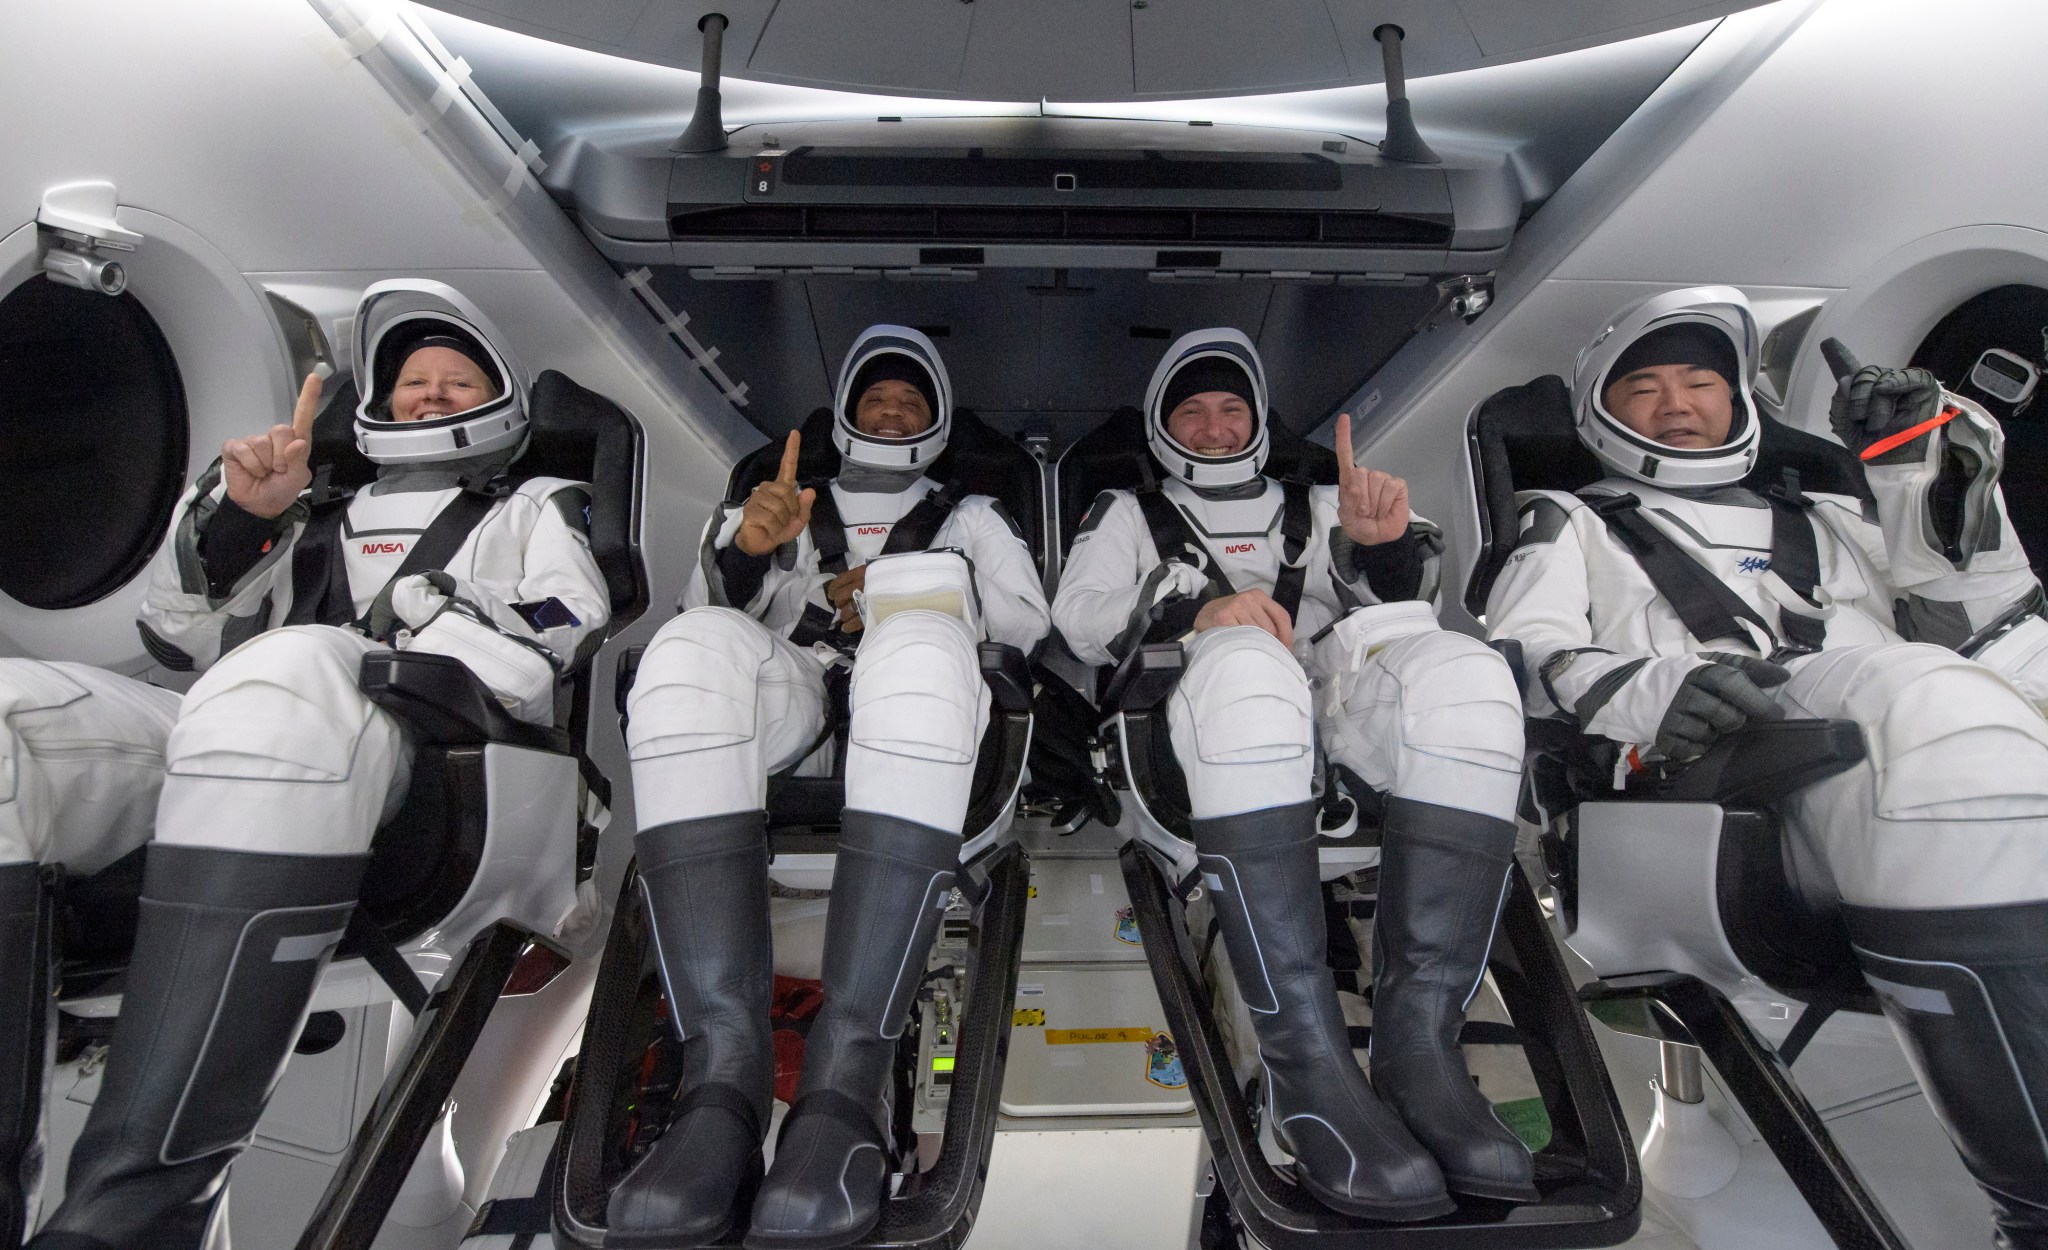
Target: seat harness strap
(1708, 608)
(916, 531)
(1173, 536)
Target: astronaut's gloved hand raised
(1372, 506)
(266, 473)
(776, 511)
(1718, 698)
(1873, 403)
(1252, 607)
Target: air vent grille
(1025, 224)
(1143, 169)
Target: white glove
(1177, 580)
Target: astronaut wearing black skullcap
(794, 581)
(1918, 619)
(1307, 612)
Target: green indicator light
(942, 1063)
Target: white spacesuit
(1426, 716)
(266, 784)
(736, 688)
(1936, 845)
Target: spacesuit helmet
(886, 353)
(1215, 359)
(396, 318)
(1717, 312)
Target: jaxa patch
(1127, 927)
(1162, 1063)
(1753, 564)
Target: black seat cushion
(1522, 438)
(1113, 456)
(978, 458)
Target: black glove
(1874, 402)
(1718, 698)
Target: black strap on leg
(724, 1097)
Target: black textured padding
(979, 459)
(577, 434)
(93, 439)
(1113, 456)
(1522, 438)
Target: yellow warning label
(1031, 891)
(1027, 1015)
(1084, 1037)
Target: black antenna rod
(1403, 141)
(706, 132)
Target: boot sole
(1499, 1191)
(1392, 1213)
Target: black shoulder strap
(1171, 536)
(828, 532)
(434, 548)
(1709, 609)
(320, 594)
(1795, 558)
(920, 526)
(1294, 535)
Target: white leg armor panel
(718, 704)
(1419, 711)
(1242, 723)
(919, 707)
(1950, 806)
(278, 750)
(81, 762)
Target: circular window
(2015, 319)
(93, 436)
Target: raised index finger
(787, 473)
(1345, 463)
(307, 407)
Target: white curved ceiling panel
(1086, 50)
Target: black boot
(1349, 1150)
(25, 974)
(831, 1168)
(1443, 874)
(1966, 991)
(706, 888)
(227, 951)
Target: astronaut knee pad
(1950, 808)
(1949, 739)
(27, 687)
(277, 749)
(919, 706)
(1242, 723)
(1420, 711)
(698, 685)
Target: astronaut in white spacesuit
(792, 581)
(1935, 847)
(265, 783)
(1259, 573)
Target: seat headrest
(1113, 456)
(1522, 438)
(978, 459)
(575, 433)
